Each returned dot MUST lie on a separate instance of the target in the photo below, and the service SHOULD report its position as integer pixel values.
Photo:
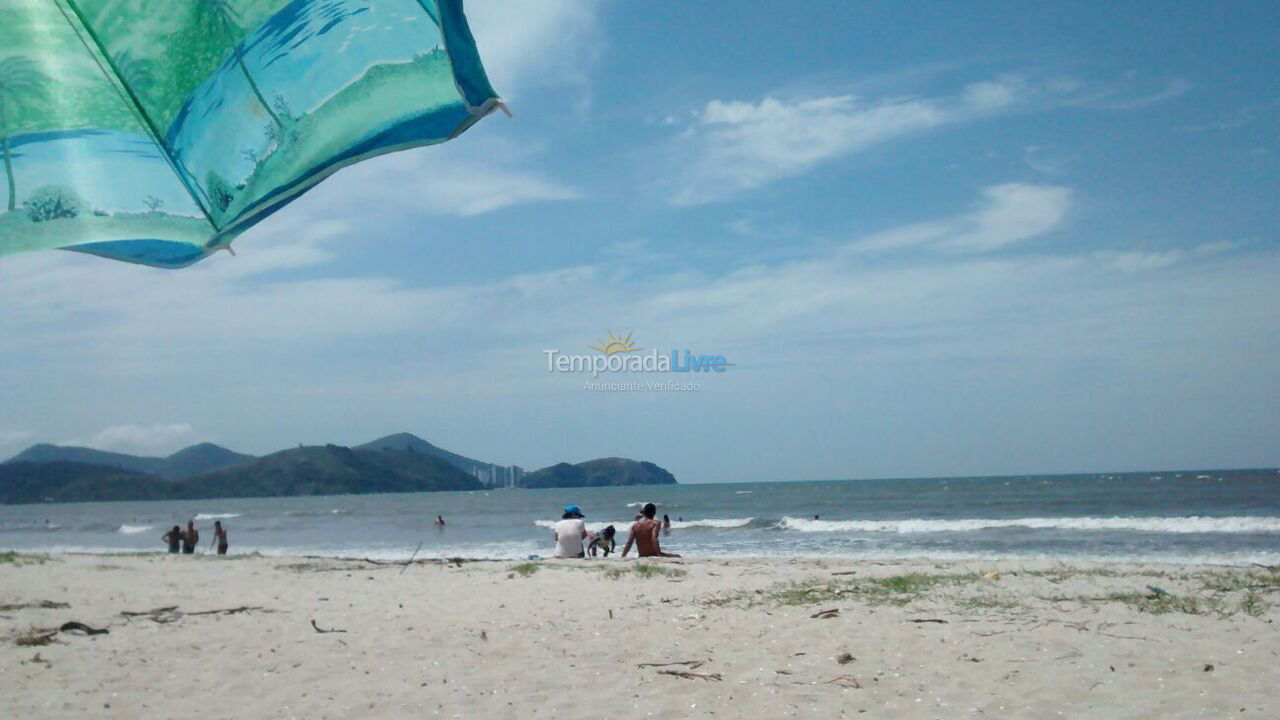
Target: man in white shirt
(569, 533)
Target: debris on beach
(38, 605)
(79, 627)
(36, 637)
(847, 681)
(691, 664)
(845, 658)
(323, 631)
(825, 614)
(692, 675)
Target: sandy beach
(324, 638)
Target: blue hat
(573, 510)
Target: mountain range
(396, 463)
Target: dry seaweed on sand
(691, 675)
(323, 631)
(38, 605)
(691, 664)
(77, 626)
(36, 637)
(847, 681)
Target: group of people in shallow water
(571, 533)
(188, 539)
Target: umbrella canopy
(155, 131)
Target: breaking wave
(134, 529)
(623, 525)
(216, 516)
(1193, 524)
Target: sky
(932, 239)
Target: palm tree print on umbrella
(20, 83)
(224, 16)
(135, 72)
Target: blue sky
(933, 240)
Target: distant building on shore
(499, 476)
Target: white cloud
(1009, 214)
(466, 177)
(341, 358)
(738, 146)
(157, 439)
(14, 437)
(527, 44)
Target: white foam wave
(622, 526)
(1181, 525)
(216, 516)
(134, 529)
(713, 523)
(591, 526)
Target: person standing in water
(666, 524)
(439, 521)
(190, 538)
(219, 537)
(173, 537)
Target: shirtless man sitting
(644, 533)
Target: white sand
(478, 641)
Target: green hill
(60, 481)
(328, 470)
(185, 463)
(408, 442)
(604, 472)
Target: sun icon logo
(614, 345)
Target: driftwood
(927, 620)
(691, 664)
(825, 614)
(846, 572)
(691, 675)
(322, 631)
(76, 626)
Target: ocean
(1229, 517)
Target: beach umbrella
(155, 131)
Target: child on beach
(603, 541)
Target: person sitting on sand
(219, 537)
(569, 533)
(644, 533)
(173, 537)
(190, 538)
(603, 542)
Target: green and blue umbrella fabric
(155, 131)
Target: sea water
(1202, 516)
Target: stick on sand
(411, 557)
